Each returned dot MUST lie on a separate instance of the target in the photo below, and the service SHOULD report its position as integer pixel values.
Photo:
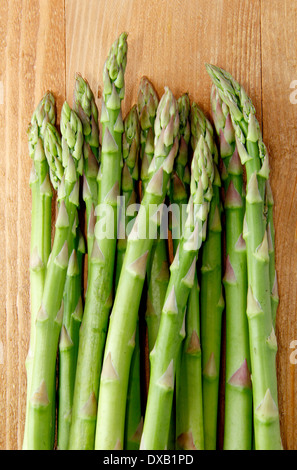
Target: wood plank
(44, 42)
(167, 42)
(279, 69)
(32, 58)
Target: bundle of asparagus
(262, 285)
(144, 218)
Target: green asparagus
(41, 220)
(189, 407)
(89, 347)
(189, 411)
(178, 198)
(179, 184)
(147, 104)
(157, 277)
(85, 106)
(158, 267)
(269, 203)
(69, 338)
(122, 328)
(172, 326)
(157, 281)
(238, 392)
(211, 298)
(130, 172)
(100, 279)
(157, 263)
(263, 343)
(41, 419)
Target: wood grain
(167, 42)
(43, 43)
(32, 61)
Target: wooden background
(44, 42)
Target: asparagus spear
(147, 104)
(189, 412)
(131, 146)
(178, 196)
(189, 407)
(85, 106)
(269, 203)
(158, 274)
(41, 200)
(211, 298)
(41, 418)
(40, 220)
(263, 343)
(69, 338)
(157, 263)
(53, 151)
(122, 328)
(130, 171)
(179, 184)
(156, 281)
(238, 393)
(100, 280)
(156, 277)
(172, 326)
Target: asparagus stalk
(41, 200)
(122, 328)
(85, 106)
(100, 281)
(158, 267)
(212, 302)
(189, 411)
(41, 422)
(147, 104)
(179, 184)
(157, 282)
(157, 264)
(263, 343)
(172, 327)
(130, 171)
(269, 203)
(40, 220)
(189, 407)
(134, 415)
(178, 196)
(156, 277)
(131, 146)
(238, 390)
(53, 151)
(69, 338)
